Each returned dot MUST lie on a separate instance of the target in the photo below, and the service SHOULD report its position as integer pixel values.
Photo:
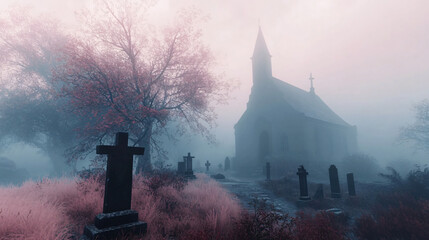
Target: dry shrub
(180, 212)
(264, 223)
(59, 209)
(46, 209)
(400, 212)
(396, 216)
(321, 226)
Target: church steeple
(261, 60)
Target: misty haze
(140, 119)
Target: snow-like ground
(246, 190)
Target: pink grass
(59, 208)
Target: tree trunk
(144, 163)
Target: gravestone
(351, 184)
(227, 164)
(334, 182)
(181, 168)
(207, 166)
(117, 217)
(268, 166)
(303, 188)
(319, 192)
(189, 173)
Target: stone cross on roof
(311, 82)
(119, 173)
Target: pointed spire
(311, 82)
(261, 61)
(261, 49)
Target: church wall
(329, 142)
(277, 122)
(311, 142)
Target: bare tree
(418, 132)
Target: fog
(369, 60)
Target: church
(287, 126)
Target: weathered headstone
(181, 168)
(117, 217)
(189, 173)
(303, 188)
(268, 168)
(207, 166)
(351, 184)
(334, 182)
(319, 192)
(227, 164)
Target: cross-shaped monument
(311, 82)
(188, 163)
(117, 217)
(207, 166)
(303, 187)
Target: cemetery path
(246, 190)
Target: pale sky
(369, 58)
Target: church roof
(307, 103)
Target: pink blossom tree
(123, 75)
(116, 72)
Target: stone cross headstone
(189, 173)
(334, 182)
(268, 166)
(207, 166)
(351, 184)
(303, 188)
(117, 217)
(227, 164)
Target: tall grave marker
(351, 184)
(181, 168)
(334, 182)
(187, 163)
(303, 187)
(117, 217)
(227, 164)
(207, 165)
(268, 167)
